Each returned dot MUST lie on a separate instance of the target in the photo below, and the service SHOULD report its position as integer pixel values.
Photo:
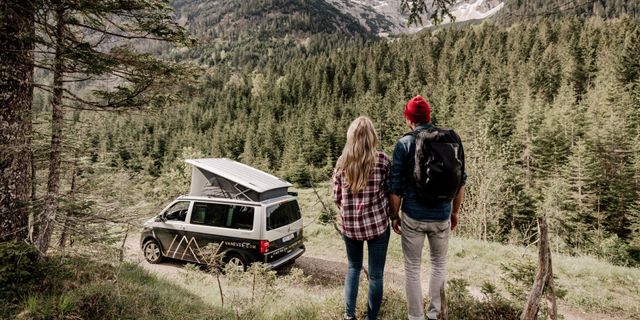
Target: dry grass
(592, 285)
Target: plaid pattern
(364, 215)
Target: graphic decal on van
(200, 253)
(188, 247)
(243, 245)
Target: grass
(83, 288)
(283, 297)
(79, 288)
(592, 285)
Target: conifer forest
(549, 113)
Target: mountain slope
(235, 20)
(244, 32)
(533, 9)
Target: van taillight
(264, 246)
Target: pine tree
(547, 76)
(76, 57)
(581, 202)
(628, 67)
(17, 39)
(558, 129)
(485, 198)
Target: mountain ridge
(241, 34)
(386, 17)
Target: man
(422, 216)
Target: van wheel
(152, 252)
(236, 262)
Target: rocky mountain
(385, 17)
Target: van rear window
(282, 214)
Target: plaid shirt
(364, 215)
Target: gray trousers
(413, 234)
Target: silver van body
(248, 212)
(182, 236)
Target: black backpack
(439, 164)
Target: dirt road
(321, 270)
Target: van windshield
(282, 214)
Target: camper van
(249, 215)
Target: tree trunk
(552, 305)
(34, 189)
(16, 95)
(53, 183)
(72, 198)
(543, 272)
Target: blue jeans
(377, 249)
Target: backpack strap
(415, 132)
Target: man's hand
(454, 220)
(457, 201)
(394, 202)
(396, 224)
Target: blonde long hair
(359, 153)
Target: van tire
(152, 252)
(236, 260)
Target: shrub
(20, 269)
(616, 251)
(519, 276)
(463, 306)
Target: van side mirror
(162, 217)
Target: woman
(359, 190)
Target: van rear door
(283, 229)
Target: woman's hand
(396, 224)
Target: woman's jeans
(413, 234)
(377, 249)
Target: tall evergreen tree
(628, 67)
(581, 201)
(74, 31)
(17, 40)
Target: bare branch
(119, 35)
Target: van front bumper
(289, 257)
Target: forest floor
(327, 271)
(595, 289)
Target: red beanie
(417, 110)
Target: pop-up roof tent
(224, 178)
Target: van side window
(178, 211)
(209, 214)
(222, 215)
(240, 217)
